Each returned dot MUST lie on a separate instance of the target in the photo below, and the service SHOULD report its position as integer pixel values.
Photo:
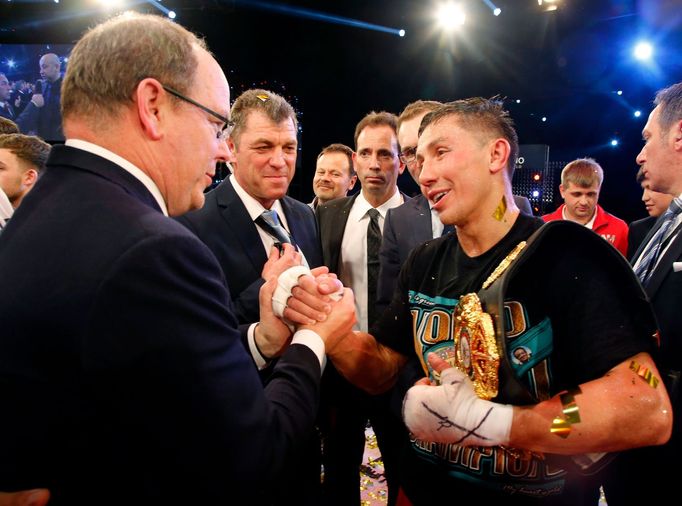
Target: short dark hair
(670, 101)
(274, 106)
(344, 150)
(31, 150)
(485, 116)
(376, 119)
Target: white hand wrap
(452, 413)
(285, 283)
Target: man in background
(581, 182)
(656, 204)
(22, 161)
(350, 231)
(6, 107)
(658, 264)
(42, 116)
(334, 174)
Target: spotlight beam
(319, 16)
(495, 10)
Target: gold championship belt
(476, 347)
(476, 350)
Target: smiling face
(265, 157)
(332, 178)
(455, 174)
(377, 163)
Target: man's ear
(153, 106)
(677, 132)
(351, 183)
(562, 190)
(500, 150)
(29, 178)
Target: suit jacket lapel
(240, 225)
(664, 265)
(646, 240)
(333, 232)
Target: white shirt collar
(361, 206)
(255, 208)
(125, 165)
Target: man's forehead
(374, 133)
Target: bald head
(50, 67)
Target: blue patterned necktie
(650, 254)
(269, 222)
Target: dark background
(565, 65)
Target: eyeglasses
(408, 155)
(228, 124)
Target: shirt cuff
(261, 363)
(312, 340)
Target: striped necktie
(651, 253)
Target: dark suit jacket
(123, 376)
(7, 111)
(665, 292)
(224, 225)
(331, 218)
(406, 227)
(45, 121)
(637, 232)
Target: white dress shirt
(255, 209)
(353, 257)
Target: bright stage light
(401, 33)
(450, 16)
(497, 11)
(643, 51)
(614, 142)
(544, 118)
(171, 14)
(637, 114)
(619, 92)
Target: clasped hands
(295, 298)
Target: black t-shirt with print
(586, 324)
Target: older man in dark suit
(658, 264)
(264, 145)
(123, 374)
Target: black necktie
(373, 245)
(269, 222)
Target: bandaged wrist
(452, 413)
(285, 283)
